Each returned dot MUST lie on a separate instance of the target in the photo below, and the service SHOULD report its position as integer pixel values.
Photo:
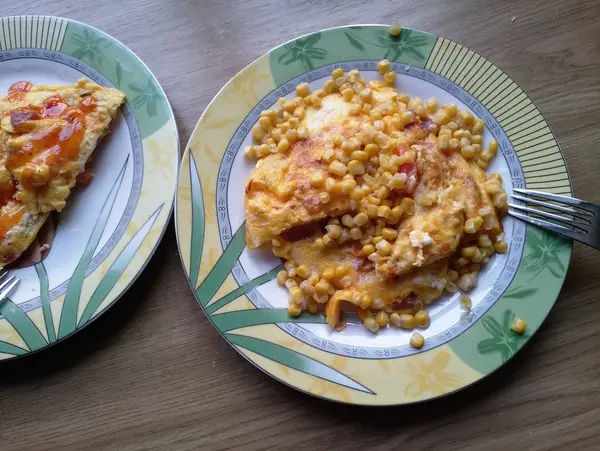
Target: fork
(580, 220)
(7, 287)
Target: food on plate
(377, 202)
(47, 134)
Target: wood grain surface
(152, 374)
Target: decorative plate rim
(174, 184)
(189, 155)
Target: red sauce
(54, 145)
(17, 91)
(88, 104)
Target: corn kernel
(294, 310)
(374, 200)
(485, 156)
(337, 168)
(333, 231)
(317, 179)
(367, 249)
(382, 192)
(389, 234)
(422, 319)
(518, 326)
(395, 30)
(477, 128)
(423, 200)
(417, 340)
(359, 155)
(371, 324)
(322, 285)
(467, 151)
(371, 211)
(390, 78)
(384, 211)
(303, 133)
(361, 219)
(467, 281)
(340, 271)
(431, 104)
(282, 276)
(324, 197)
(405, 321)
(356, 167)
(296, 296)
(384, 248)
(383, 66)
(348, 186)
(319, 244)
(302, 90)
(337, 73)
(501, 247)
(477, 139)
(501, 200)
(443, 142)
(484, 241)
(465, 302)
(472, 225)
(493, 147)
(303, 271)
(382, 318)
(347, 94)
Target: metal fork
(577, 219)
(7, 286)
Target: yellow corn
(501, 247)
(302, 90)
(422, 319)
(337, 168)
(294, 310)
(383, 66)
(395, 30)
(382, 318)
(389, 234)
(368, 249)
(417, 340)
(282, 276)
(518, 325)
(405, 321)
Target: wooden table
(153, 374)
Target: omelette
(376, 201)
(47, 134)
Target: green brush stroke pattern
(68, 317)
(243, 290)
(7, 348)
(226, 322)
(296, 361)
(18, 319)
(198, 225)
(116, 269)
(46, 310)
(218, 273)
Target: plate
(236, 288)
(109, 230)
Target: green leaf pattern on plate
(337, 45)
(303, 50)
(503, 340)
(111, 59)
(544, 251)
(147, 95)
(89, 47)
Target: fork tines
(575, 218)
(7, 286)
